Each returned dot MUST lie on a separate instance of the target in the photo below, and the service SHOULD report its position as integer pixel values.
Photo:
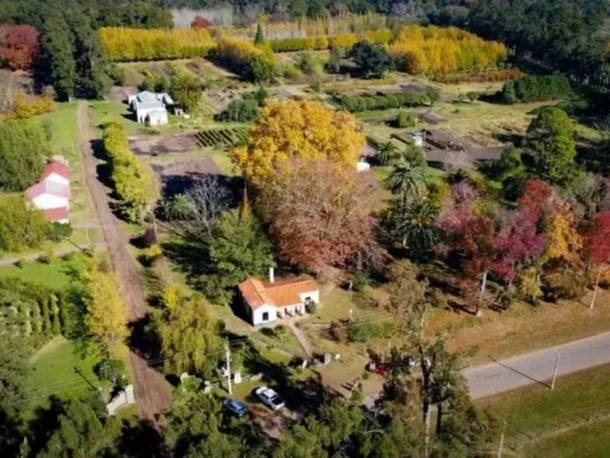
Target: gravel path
(152, 392)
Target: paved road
(537, 367)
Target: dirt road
(152, 393)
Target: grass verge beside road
(571, 420)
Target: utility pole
(555, 370)
(228, 357)
(501, 446)
(350, 301)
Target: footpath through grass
(571, 420)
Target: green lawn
(53, 274)
(110, 111)
(54, 372)
(573, 419)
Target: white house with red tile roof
(266, 302)
(52, 192)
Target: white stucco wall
(47, 201)
(257, 315)
(313, 295)
(157, 116)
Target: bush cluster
(124, 44)
(256, 63)
(370, 102)
(245, 109)
(535, 89)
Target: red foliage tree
(517, 243)
(598, 245)
(537, 197)
(201, 22)
(19, 46)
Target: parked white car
(270, 398)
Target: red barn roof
(59, 168)
(54, 215)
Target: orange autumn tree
(320, 213)
(297, 129)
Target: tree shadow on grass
(190, 257)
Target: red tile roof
(56, 214)
(55, 167)
(279, 294)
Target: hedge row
(319, 43)
(535, 89)
(371, 102)
(124, 44)
(135, 183)
(481, 77)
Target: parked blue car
(235, 407)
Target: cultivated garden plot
(179, 175)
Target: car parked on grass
(235, 407)
(270, 398)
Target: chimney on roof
(271, 275)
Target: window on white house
(266, 316)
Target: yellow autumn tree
(106, 316)
(420, 49)
(123, 44)
(563, 242)
(297, 129)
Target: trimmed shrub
(405, 120)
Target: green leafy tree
(261, 69)
(24, 149)
(186, 91)
(550, 141)
(259, 38)
(197, 426)
(91, 64)
(20, 228)
(82, 431)
(14, 373)
(58, 63)
(337, 427)
(372, 59)
(239, 246)
(188, 334)
(337, 54)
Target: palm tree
(406, 180)
(386, 153)
(178, 208)
(415, 226)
